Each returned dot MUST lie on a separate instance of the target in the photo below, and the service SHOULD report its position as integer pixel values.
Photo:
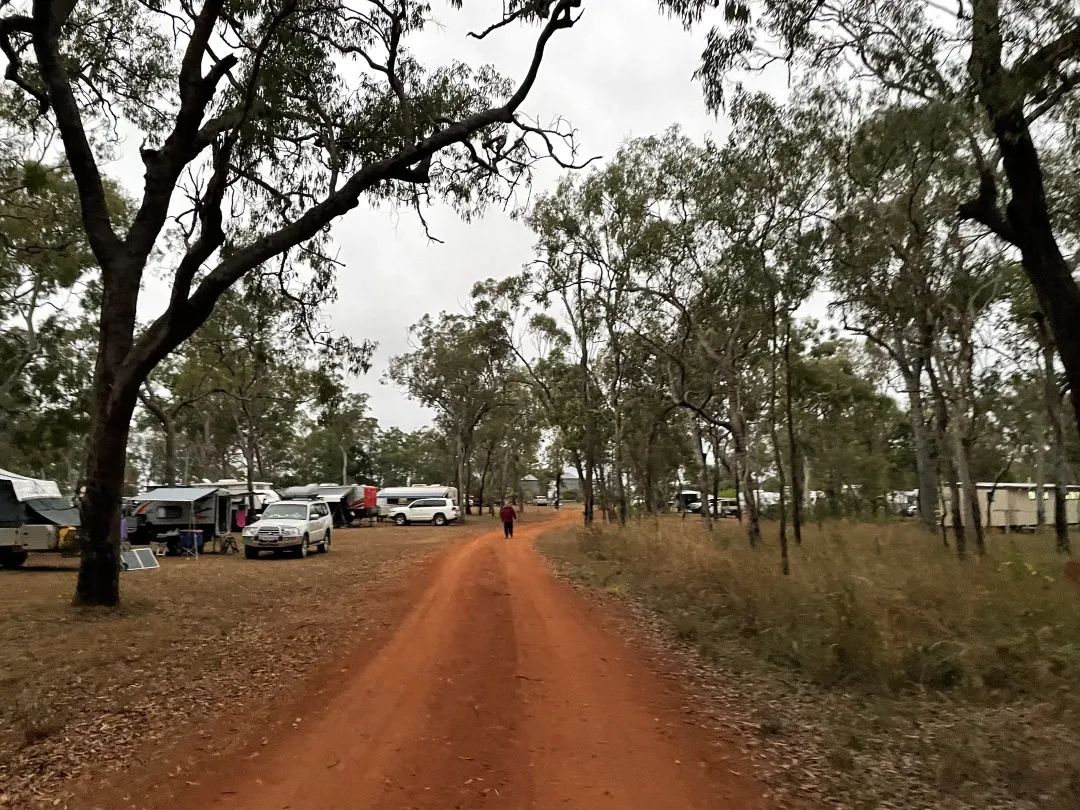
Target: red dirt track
(500, 688)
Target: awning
(180, 494)
(55, 511)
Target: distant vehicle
(392, 497)
(725, 507)
(290, 525)
(438, 511)
(685, 499)
(540, 500)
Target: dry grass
(968, 668)
(191, 641)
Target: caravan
(160, 514)
(34, 516)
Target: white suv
(293, 525)
(439, 511)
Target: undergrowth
(882, 607)
(930, 681)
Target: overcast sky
(624, 70)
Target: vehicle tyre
(302, 552)
(400, 520)
(251, 553)
(13, 559)
(324, 546)
(439, 520)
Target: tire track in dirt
(500, 689)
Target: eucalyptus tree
(518, 308)
(177, 385)
(896, 180)
(1031, 350)
(261, 124)
(460, 366)
(1011, 62)
(46, 265)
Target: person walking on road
(508, 515)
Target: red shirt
(507, 514)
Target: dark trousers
(508, 528)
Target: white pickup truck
(33, 517)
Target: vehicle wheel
(12, 559)
(303, 550)
(251, 553)
(439, 520)
(399, 520)
(324, 546)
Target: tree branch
(984, 209)
(80, 156)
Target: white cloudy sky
(624, 70)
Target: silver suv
(439, 511)
(290, 525)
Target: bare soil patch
(194, 642)
(499, 688)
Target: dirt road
(500, 688)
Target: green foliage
(48, 284)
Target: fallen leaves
(99, 691)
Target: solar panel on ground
(138, 559)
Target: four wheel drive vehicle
(726, 507)
(540, 500)
(390, 498)
(292, 525)
(439, 511)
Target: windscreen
(285, 511)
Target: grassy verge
(966, 672)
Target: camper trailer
(1014, 506)
(390, 497)
(161, 513)
(345, 501)
(34, 516)
(349, 502)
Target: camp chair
(188, 542)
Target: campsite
(532, 404)
(196, 637)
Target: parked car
(725, 507)
(439, 511)
(290, 525)
(540, 500)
